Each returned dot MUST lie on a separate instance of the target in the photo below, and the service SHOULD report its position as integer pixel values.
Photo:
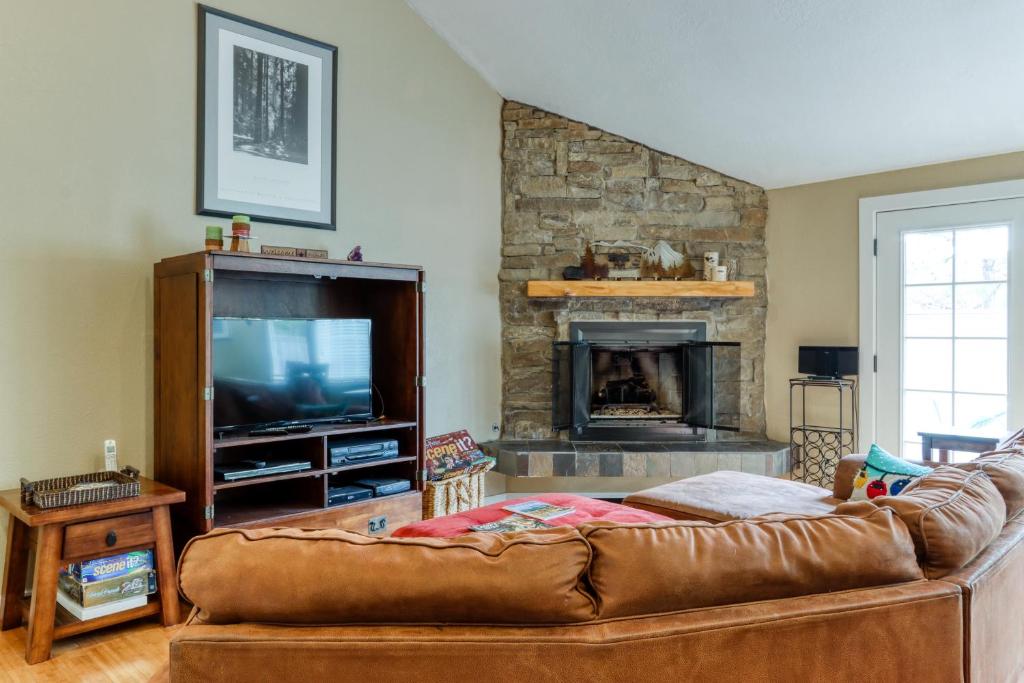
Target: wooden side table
(74, 534)
(946, 442)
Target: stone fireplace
(566, 185)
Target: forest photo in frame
(266, 123)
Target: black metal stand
(817, 449)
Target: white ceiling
(775, 92)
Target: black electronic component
(830, 362)
(362, 450)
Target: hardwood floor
(132, 652)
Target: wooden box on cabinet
(189, 291)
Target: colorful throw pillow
(883, 474)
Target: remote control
(255, 464)
(270, 431)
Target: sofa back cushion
(670, 566)
(952, 516)
(1006, 470)
(338, 577)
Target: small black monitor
(828, 361)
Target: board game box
(104, 568)
(450, 455)
(139, 582)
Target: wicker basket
(457, 494)
(52, 493)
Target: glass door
(948, 279)
(712, 392)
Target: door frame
(869, 208)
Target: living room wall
(812, 237)
(99, 124)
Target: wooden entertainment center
(189, 292)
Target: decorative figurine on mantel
(665, 262)
(625, 260)
(592, 270)
(356, 254)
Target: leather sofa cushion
(670, 566)
(1006, 469)
(293, 576)
(952, 516)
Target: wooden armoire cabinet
(190, 291)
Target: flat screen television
(275, 372)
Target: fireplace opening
(636, 383)
(642, 381)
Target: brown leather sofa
(927, 586)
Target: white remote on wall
(110, 455)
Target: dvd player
(362, 450)
(258, 468)
(385, 487)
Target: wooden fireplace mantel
(634, 288)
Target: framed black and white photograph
(267, 113)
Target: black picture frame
(207, 166)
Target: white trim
(870, 207)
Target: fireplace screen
(633, 390)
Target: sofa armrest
(846, 470)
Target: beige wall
(813, 279)
(97, 132)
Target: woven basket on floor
(457, 494)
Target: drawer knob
(111, 538)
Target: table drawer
(108, 535)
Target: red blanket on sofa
(587, 510)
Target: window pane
(928, 257)
(981, 365)
(980, 310)
(984, 413)
(928, 364)
(981, 254)
(911, 449)
(926, 411)
(928, 311)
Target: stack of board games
(107, 585)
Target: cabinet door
(712, 389)
(570, 386)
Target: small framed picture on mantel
(267, 117)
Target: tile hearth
(664, 460)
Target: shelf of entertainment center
(266, 514)
(317, 431)
(314, 472)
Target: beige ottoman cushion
(724, 496)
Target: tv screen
(275, 372)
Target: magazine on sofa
(538, 509)
(511, 523)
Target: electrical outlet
(495, 427)
(378, 524)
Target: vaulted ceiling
(775, 92)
